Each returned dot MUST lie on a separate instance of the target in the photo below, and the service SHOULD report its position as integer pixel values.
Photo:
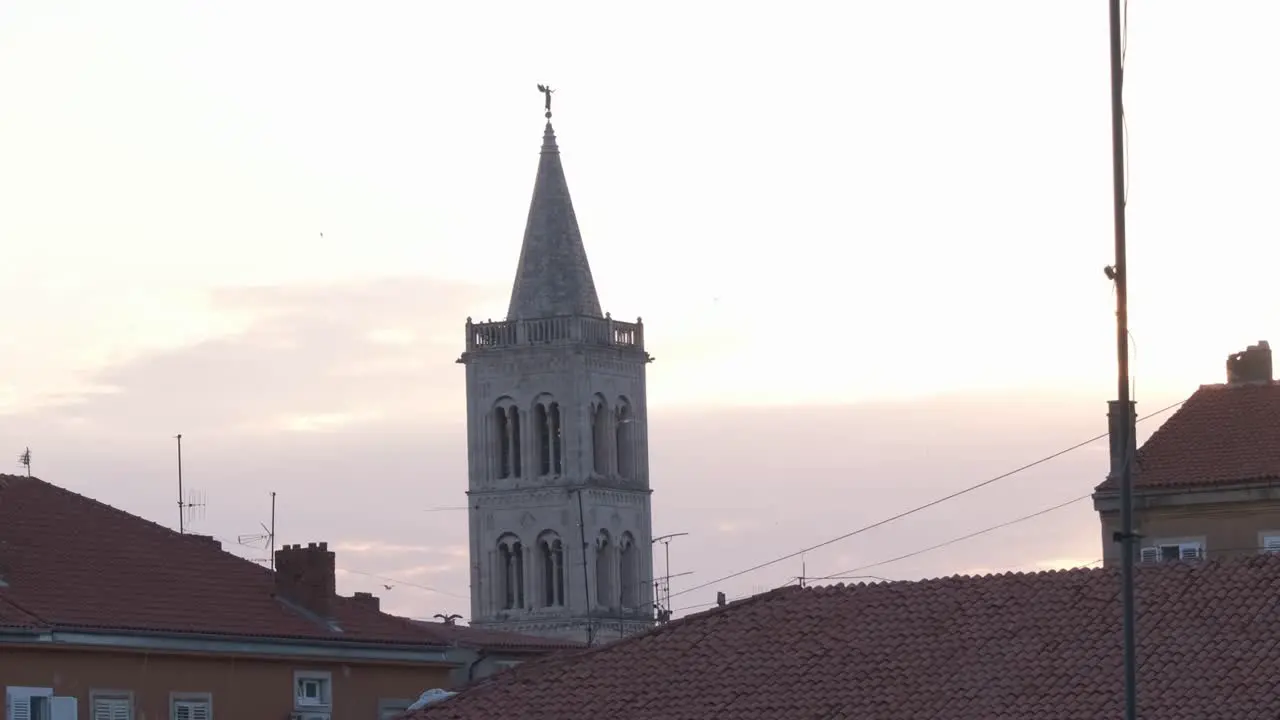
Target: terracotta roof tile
(70, 562)
(1044, 646)
(1222, 435)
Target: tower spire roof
(553, 276)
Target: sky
(866, 239)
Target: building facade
(1207, 483)
(109, 616)
(558, 489)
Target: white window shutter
(19, 707)
(64, 707)
(1150, 555)
(1190, 551)
(110, 709)
(1271, 543)
(190, 710)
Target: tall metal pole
(1126, 425)
(273, 530)
(181, 509)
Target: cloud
(317, 358)
(385, 548)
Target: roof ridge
(549, 661)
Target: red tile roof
(70, 562)
(1222, 435)
(1043, 646)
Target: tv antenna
(25, 460)
(267, 538)
(663, 589)
(191, 505)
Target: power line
(915, 510)
(962, 538)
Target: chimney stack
(368, 600)
(306, 576)
(1116, 422)
(1253, 365)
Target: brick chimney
(368, 600)
(1115, 429)
(306, 576)
(1253, 365)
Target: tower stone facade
(558, 493)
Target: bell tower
(558, 491)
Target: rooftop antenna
(664, 607)
(664, 593)
(267, 537)
(25, 460)
(191, 505)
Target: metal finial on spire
(546, 90)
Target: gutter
(223, 645)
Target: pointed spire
(553, 276)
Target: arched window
(546, 418)
(511, 572)
(629, 570)
(551, 551)
(604, 570)
(506, 433)
(601, 432)
(557, 444)
(625, 433)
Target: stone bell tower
(558, 492)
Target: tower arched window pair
(549, 578)
(617, 571)
(613, 437)
(507, 444)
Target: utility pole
(1119, 273)
(181, 505)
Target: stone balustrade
(569, 329)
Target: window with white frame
(1172, 552)
(312, 690)
(191, 706)
(110, 705)
(1270, 542)
(28, 703)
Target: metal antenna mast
(267, 537)
(185, 504)
(182, 515)
(25, 460)
(1119, 274)
(664, 591)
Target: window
(551, 550)
(1172, 552)
(506, 431)
(311, 690)
(110, 705)
(1270, 543)
(191, 706)
(511, 567)
(629, 570)
(31, 703)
